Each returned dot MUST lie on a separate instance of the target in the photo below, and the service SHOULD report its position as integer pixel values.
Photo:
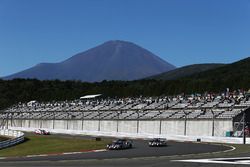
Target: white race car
(42, 132)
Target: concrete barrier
(180, 130)
(15, 137)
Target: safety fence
(15, 137)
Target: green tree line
(24, 90)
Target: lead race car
(157, 142)
(120, 144)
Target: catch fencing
(15, 137)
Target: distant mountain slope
(237, 72)
(185, 71)
(113, 60)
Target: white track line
(238, 160)
(56, 154)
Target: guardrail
(15, 137)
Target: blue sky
(181, 32)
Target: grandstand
(201, 115)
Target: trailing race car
(120, 144)
(157, 142)
(42, 132)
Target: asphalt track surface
(139, 155)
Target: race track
(140, 149)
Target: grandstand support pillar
(137, 126)
(213, 123)
(99, 121)
(41, 123)
(117, 122)
(7, 126)
(160, 126)
(41, 120)
(185, 128)
(21, 121)
(185, 123)
(53, 121)
(68, 121)
(28, 125)
(82, 119)
(244, 126)
(11, 121)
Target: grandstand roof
(90, 96)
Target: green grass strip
(35, 145)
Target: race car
(120, 144)
(42, 132)
(157, 142)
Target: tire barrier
(15, 137)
